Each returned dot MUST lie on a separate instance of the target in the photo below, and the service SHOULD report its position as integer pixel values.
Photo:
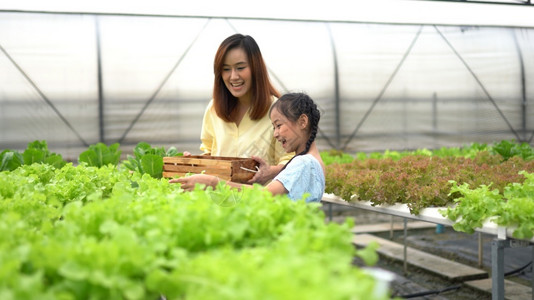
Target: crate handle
(250, 170)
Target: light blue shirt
(303, 175)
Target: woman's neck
(246, 99)
(241, 110)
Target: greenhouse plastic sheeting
(79, 79)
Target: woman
(295, 120)
(236, 121)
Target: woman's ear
(303, 121)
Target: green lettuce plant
(148, 159)
(36, 152)
(99, 155)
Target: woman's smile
(236, 73)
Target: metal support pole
(337, 97)
(480, 251)
(391, 228)
(405, 265)
(523, 87)
(532, 267)
(101, 136)
(497, 269)
(435, 118)
(330, 212)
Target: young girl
(295, 120)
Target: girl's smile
(292, 136)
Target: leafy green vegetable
(148, 160)
(10, 160)
(509, 149)
(420, 180)
(152, 164)
(474, 207)
(513, 208)
(33, 156)
(36, 152)
(335, 156)
(83, 232)
(369, 254)
(99, 155)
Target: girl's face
(236, 74)
(292, 135)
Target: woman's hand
(188, 183)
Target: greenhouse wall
(79, 79)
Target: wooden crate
(234, 169)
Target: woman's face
(236, 74)
(292, 135)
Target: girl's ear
(303, 121)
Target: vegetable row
(83, 232)
(473, 184)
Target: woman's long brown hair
(262, 89)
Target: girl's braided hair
(292, 106)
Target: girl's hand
(188, 183)
(263, 174)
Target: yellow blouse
(221, 138)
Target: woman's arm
(207, 134)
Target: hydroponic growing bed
(489, 189)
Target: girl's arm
(276, 188)
(189, 182)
